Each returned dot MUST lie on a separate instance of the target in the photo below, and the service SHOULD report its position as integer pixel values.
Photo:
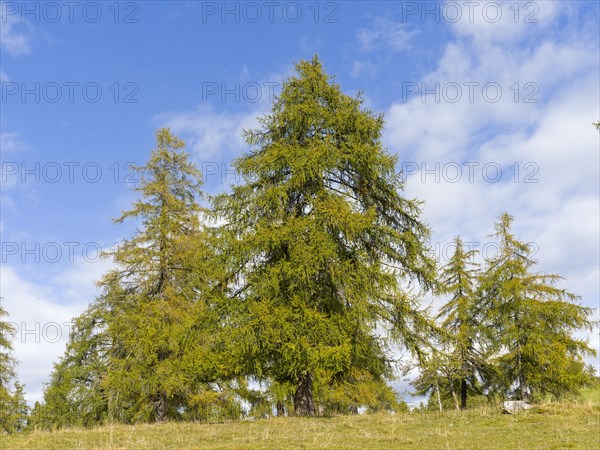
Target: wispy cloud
(385, 34)
(365, 67)
(13, 38)
(210, 134)
(11, 142)
(217, 135)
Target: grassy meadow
(573, 424)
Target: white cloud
(385, 34)
(560, 211)
(11, 142)
(216, 136)
(503, 23)
(467, 82)
(310, 44)
(42, 314)
(211, 135)
(12, 38)
(42, 323)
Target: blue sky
(513, 89)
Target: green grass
(572, 424)
(590, 396)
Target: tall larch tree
(533, 323)
(321, 240)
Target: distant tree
(7, 362)
(19, 407)
(532, 323)
(75, 394)
(13, 407)
(357, 389)
(437, 376)
(320, 241)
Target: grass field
(549, 426)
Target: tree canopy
(321, 240)
(532, 322)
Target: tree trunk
(463, 394)
(439, 398)
(523, 388)
(303, 398)
(161, 407)
(523, 395)
(454, 396)
(280, 409)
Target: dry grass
(573, 424)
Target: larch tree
(19, 409)
(7, 361)
(460, 320)
(13, 408)
(143, 350)
(155, 297)
(321, 241)
(439, 377)
(533, 323)
(75, 394)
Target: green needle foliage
(505, 330)
(320, 239)
(13, 408)
(531, 323)
(144, 350)
(467, 362)
(438, 378)
(160, 315)
(150, 299)
(76, 394)
(7, 362)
